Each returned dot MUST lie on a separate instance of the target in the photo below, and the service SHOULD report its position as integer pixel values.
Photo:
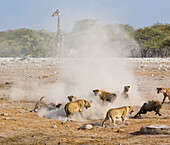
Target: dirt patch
(20, 126)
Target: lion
(125, 93)
(116, 113)
(105, 96)
(76, 106)
(40, 104)
(150, 106)
(165, 91)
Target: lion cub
(165, 91)
(76, 106)
(105, 96)
(117, 113)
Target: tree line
(152, 41)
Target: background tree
(152, 41)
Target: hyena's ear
(85, 101)
(69, 98)
(96, 90)
(130, 107)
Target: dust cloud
(92, 62)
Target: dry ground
(23, 127)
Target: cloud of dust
(33, 91)
(95, 63)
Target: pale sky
(37, 14)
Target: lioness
(105, 96)
(117, 112)
(77, 106)
(165, 91)
(150, 106)
(125, 93)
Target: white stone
(87, 126)
(54, 126)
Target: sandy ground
(20, 126)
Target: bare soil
(20, 126)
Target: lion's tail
(106, 118)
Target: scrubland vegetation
(152, 41)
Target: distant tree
(23, 42)
(154, 41)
